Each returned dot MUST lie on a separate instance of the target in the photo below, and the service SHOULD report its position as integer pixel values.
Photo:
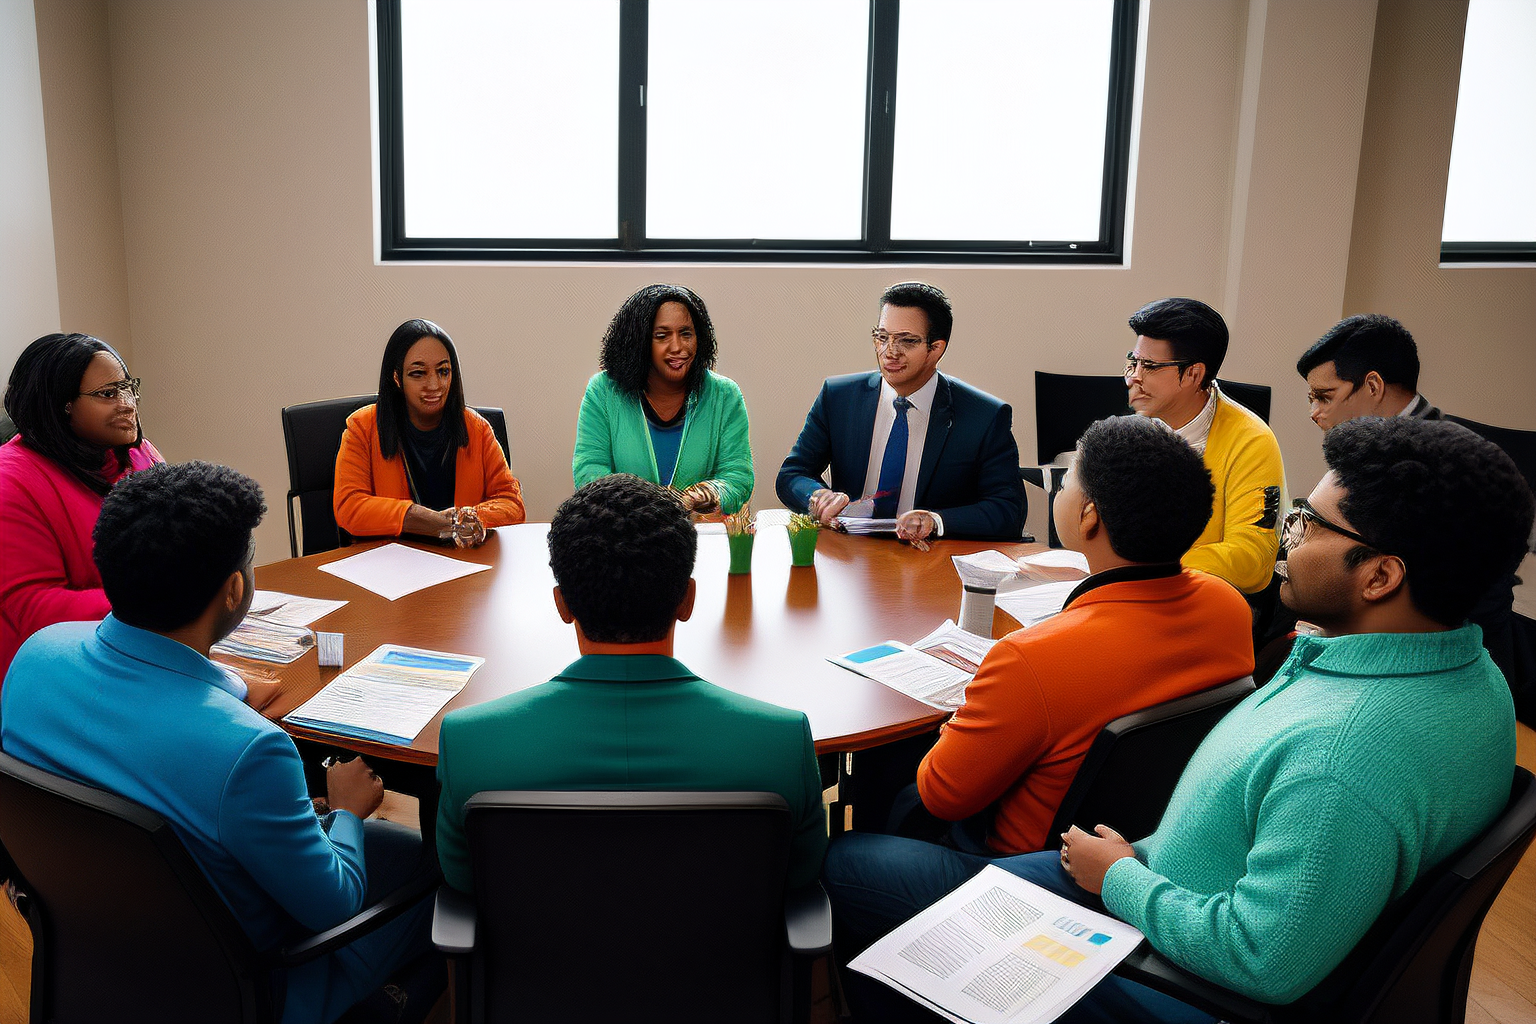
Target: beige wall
(1476, 326)
(82, 167)
(243, 143)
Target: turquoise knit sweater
(1367, 760)
(612, 437)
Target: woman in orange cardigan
(419, 461)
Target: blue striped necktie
(893, 465)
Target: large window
(826, 130)
(1490, 201)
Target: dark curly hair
(392, 414)
(1359, 344)
(1192, 329)
(626, 351)
(1452, 505)
(1151, 488)
(622, 551)
(44, 380)
(168, 537)
(934, 304)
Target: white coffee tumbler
(976, 604)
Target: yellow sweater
(1240, 542)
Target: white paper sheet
(290, 609)
(1038, 603)
(985, 568)
(389, 696)
(863, 526)
(394, 570)
(1058, 558)
(935, 670)
(999, 950)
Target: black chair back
(676, 898)
(312, 433)
(1129, 774)
(1519, 445)
(126, 926)
(1066, 404)
(1253, 397)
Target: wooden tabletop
(767, 634)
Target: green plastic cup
(802, 547)
(741, 552)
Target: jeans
(876, 882)
(324, 989)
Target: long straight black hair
(46, 379)
(392, 413)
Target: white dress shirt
(917, 435)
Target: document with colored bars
(999, 949)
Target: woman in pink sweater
(77, 410)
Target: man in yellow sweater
(1171, 376)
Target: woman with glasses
(657, 409)
(76, 411)
(419, 460)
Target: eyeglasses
(902, 343)
(118, 391)
(1132, 361)
(1293, 530)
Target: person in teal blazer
(659, 411)
(626, 715)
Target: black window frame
(630, 244)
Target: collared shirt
(1418, 409)
(917, 435)
(1123, 574)
(1197, 430)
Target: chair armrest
(1146, 966)
(453, 922)
(364, 921)
(1033, 475)
(808, 920)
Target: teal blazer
(628, 722)
(612, 437)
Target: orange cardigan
(1043, 693)
(372, 495)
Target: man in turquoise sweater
(626, 715)
(1380, 748)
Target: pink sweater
(47, 574)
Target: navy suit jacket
(970, 469)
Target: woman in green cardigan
(658, 411)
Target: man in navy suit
(915, 445)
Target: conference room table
(766, 634)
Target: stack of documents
(858, 525)
(274, 628)
(999, 950)
(935, 670)
(389, 696)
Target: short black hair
(934, 304)
(1452, 505)
(626, 351)
(1151, 488)
(392, 414)
(1193, 330)
(622, 551)
(1359, 344)
(169, 536)
(44, 380)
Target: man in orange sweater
(1138, 631)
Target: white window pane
(1000, 119)
(755, 118)
(1491, 192)
(510, 118)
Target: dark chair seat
(125, 925)
(633, 906)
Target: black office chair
(1414, 963)
(1129, 773)
(312, 433)
(675, 900)
(125, 925)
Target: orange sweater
(1043, 694)
(372, 495)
